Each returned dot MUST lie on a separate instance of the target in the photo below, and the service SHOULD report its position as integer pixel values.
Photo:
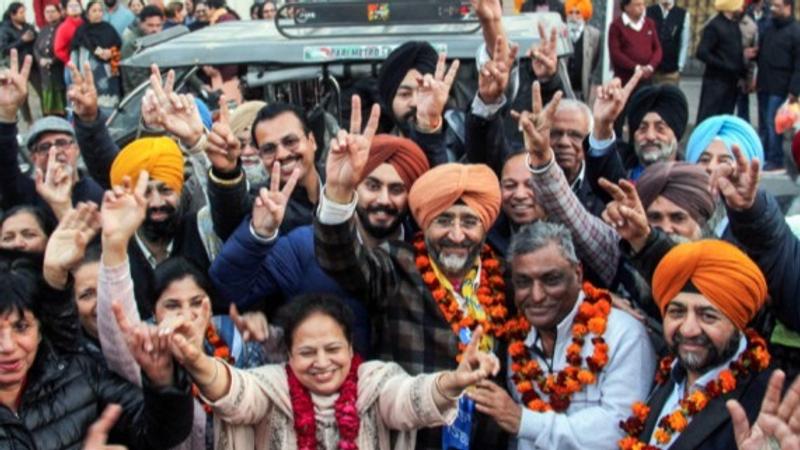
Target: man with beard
(657, 118)
(582, 66)
(553, 300)
(257, 263)
(721, 49)
(756, 226)
(241, 126)
(707, 291)
(118, 16)
(427, 297)
(674, 30)
(53, 151)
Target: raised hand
(535, 126)
(82, 93)
(494, 75)
(626, 213)
(348, 154)
(487, 10)
(175, 113)
(55, 186)
(252, 325)
(544, 57)
(97, 435)
(778, 422)
(737, 185)
(67, 244)
(475, 366)
(610, 102)
(433, 92)
(123, 211)
(149, 346)
(223, 149)
(269, 206)
(14, 86)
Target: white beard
(575, 29)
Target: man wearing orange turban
(394, 164)
(708, 291)
(427, 297)
(159, 156)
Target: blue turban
(730, 130)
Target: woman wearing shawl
(51, 69)
(96, 42)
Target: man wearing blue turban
(711, 141)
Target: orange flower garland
(114, 61)
(491, 294)
(755, 358)
(592, 317)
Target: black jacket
(779, 59)
(11, 37)
(67, 391)
(720, 48)
(711, 429)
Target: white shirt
(680, 388)
(592, 420)
(151, 258)
(628, 22)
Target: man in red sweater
(633, 41)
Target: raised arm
(596, 242)
(122, 213)
(15, 188)
(366, 273)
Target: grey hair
(538, 235)
(571, 103)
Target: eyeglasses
(574, 136)
(44, 147)
(290, 142)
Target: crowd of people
(571, 266)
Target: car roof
(261, 42)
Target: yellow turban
(720, 271)
(728, 5)
(584, 6)
(243, 116)
(441, 187)
(159, 156)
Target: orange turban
(584, 6)
(403, 154)
(720, 271)
(441, 187)
(159, 156)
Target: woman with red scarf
(325, 396)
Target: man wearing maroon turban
(708, 292)
(425, 298)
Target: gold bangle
(222, 182)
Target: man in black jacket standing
(721, 50)
(778, 76)
(673, 33)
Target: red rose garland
(346, 412)
(755, 358)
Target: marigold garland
(220, 350)
(754, 359)
(345, 410)
(592, 317)
(491, 294)
(115, 60)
